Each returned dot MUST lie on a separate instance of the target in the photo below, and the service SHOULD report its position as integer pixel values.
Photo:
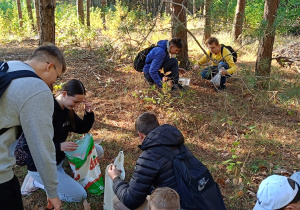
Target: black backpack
(196, 187)
(140, 60)
(7, 77)
(233, 53)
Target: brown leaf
(221, 182)
(240, 193)
(167, 73)
(263, 168)
(149, 107)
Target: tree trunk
(37, 11)
(202, 7)
(29, 10)
(239, 20)
(80, 12)
(103, 8)
(168, 8)
(20, 13)
(264, 54)
(194, 7)
(47, 8)
(88, 13)
(207, 19)
(179, 30)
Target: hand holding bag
(85, 165)
(108, 190)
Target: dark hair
(146, 123)
(73, 87)
(49, 50)
(212, 40)
(177, 42)
(297, 197)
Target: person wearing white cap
(278, 192)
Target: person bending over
(65, 120)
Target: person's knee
(100, 150)
(223, 64)
(204, 74)
(76, 197)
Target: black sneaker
(222, 87)
(178, 87)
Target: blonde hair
(164, 198)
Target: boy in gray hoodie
(28, 102)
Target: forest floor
(242, 134)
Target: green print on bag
(85, 165)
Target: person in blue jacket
(159, 58)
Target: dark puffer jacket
(151, 170)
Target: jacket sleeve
(84, 125)
(204, 59)
(133, 195)
(229, 60)
(158, 59)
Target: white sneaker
(28, 186)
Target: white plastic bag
(216, 80)
(108, 189)
(85, 165)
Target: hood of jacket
(164, 135)
(162, 44)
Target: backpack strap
(7, 77)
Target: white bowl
(184, 81)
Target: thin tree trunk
(202, 7)
(29, 10)
(47, 9)
(80, 12)
(194, 7)
(88, 13)
(207, 19)
(20, 13)
(239, 20)
(264, 54)
(179, 30)
(168, 8)
(37, 11)
(103, 8)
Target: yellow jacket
(228, 59)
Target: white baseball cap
(275, 192)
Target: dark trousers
(211, 71)
(10, 195)
(169, 65)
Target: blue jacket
(155, 59)
(151, 170)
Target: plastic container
(184, 81)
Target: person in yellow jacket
(226, 66)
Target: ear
(49, 66)
(290, 207)
(142, 136)
(64, 93)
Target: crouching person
(153, 169)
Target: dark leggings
(10, 195)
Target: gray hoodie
(28, 102)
